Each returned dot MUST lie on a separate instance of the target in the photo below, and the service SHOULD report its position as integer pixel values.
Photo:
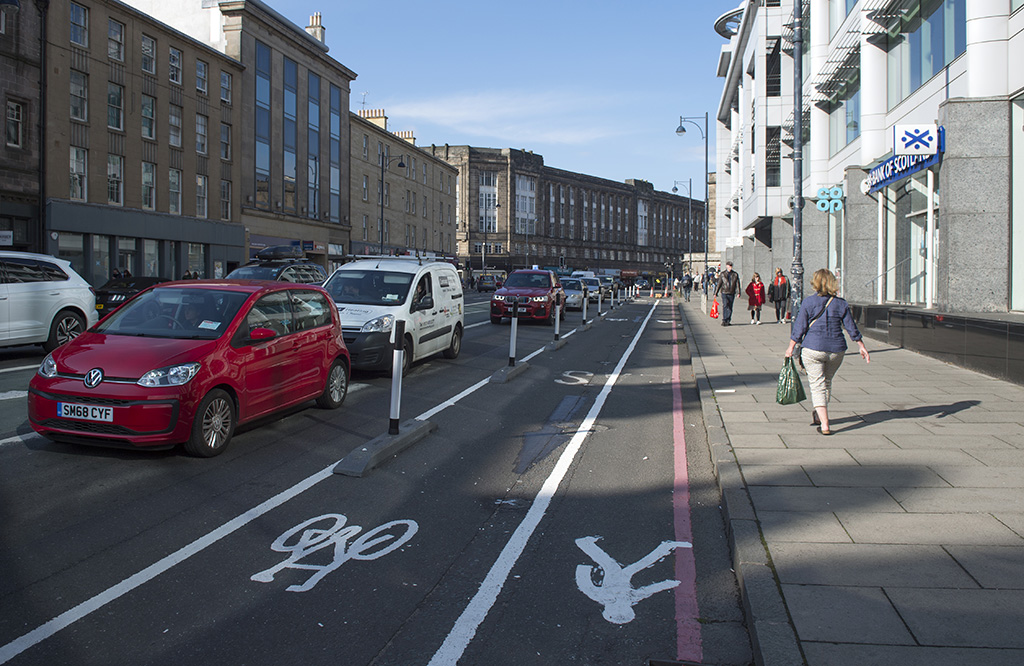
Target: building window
(201, 195)
(15, 124)
(313, 146)
(3, 23)
(174, 191)
(225, 87)
(148, 117)
(927, 36)
(79, 188)
(115, 180)
(366, 188)
(148, 54)
(174, 125)
(225, 141)
(201, 133)
(202, 76)
(148, 186)
(79, 25)
(844, 115)
(290, 133)
(773, 67)
(334, 154)
(79, 96)
(773, 157)
(115, 40)
(174, 65)
(225, 199)
(366, 221)
(115, 106)
(262, 128)
(366, 147)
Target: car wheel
(406, 357)
(66, 326)
(336, 388)
(495, 320)
(561, 313)
(550, 321)
(212, 425)
(456, 345)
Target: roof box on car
(280, 252)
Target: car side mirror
(261, 333)
(425, 303)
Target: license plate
(69, 410)
(99, 306)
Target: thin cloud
(514, 119)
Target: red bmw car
(186, 362)
(539, 295)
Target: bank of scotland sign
(898, 167)
(915, 139)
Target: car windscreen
(255, 273)
(592, 283)
(571, 285)
(176, 312)
(528, 280)
(368, 287)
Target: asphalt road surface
(568, 516)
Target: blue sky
(595, 87)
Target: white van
(372, 294)
(579, 274)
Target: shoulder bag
(799, 347)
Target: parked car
(593, 286)
(538, 292)
(286, 263)
(486, 283)
(187, 362)
(42, 301)
(573, 290)
(607, 286)
(372, 293)
(116, 291)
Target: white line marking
(466, 626)
(19, 368)
(20, 439)
(65, 619)
(11, 395)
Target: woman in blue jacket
(823, 342)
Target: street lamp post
(689, 221)
(681, 130)
(385, 162)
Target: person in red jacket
(755, 299)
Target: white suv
(42, 301)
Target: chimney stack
(316, 28)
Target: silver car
(593, 287)
(573, 289)
(42, 301)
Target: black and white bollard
(586, 301)
(558, 319)
(512, 337)
(397, 364)
(599, 305)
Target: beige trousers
(821, 368)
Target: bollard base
(502, 376)
(556, 344)
(585, 326)
(369, 455)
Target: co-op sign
(916, 148)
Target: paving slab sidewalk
(897, 539)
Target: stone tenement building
(513, 211)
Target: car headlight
(175, 375)
(539, 299)
(381, 324)
(48, 368)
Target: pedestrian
(728, 285)
(126, 273)
(755, 299)
(116, 274)
(823, 343)
(778, 294)
(687, 284)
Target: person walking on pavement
(778, 293)
(823, 343)
(687, 285)
(728, 286)
(755, 299)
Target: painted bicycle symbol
(611, 584)
(303, 540)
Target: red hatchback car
(186, 362)
(539, 294)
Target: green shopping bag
(790, 390)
